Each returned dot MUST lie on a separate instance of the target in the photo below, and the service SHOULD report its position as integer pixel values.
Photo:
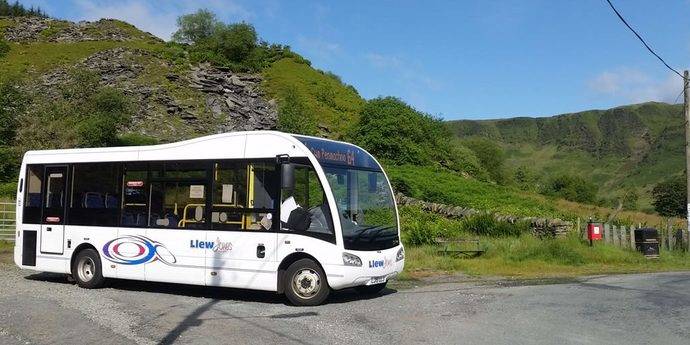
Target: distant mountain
(623, 149)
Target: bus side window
(134, 196)
(244, 196)
(32, 196)
(95, 197)
(229, 198)
(178, 195)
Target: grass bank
(521, 256)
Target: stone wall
(541, 227)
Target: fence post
(632, 238)
(672, 239)
(623, 241)
(607, 233)
(616, 236)
(583, 233)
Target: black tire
(87, 270)
(305, 283)
(370, 289)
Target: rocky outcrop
(180, 103)
(541, 227)
(29, 29)
(236, 95)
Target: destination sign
(328, 152)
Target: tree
(491, 156)
(391, 129)
(196, 27)
(235, 41)
(670, 197)
(293, 117)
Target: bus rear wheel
(86, 269)
(305, 283)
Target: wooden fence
(7, 221)
(621, 236)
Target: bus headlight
(351, 260)
(400, 255)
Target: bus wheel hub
(306, 283)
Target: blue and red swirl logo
(136, 250)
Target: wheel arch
(287, 261)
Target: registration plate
(377, 280)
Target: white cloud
(318, 47)
(157, 17)
(383, 61)
(407, 72)
(634, 86)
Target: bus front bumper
(377, 268)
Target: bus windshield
(365, 206)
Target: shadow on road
(212, 292)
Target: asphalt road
(39, 308)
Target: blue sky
(456, 59)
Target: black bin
(647, 242)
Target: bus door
(53, 215)
(241, 245)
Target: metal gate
(7, 221)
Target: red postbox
(594, 231)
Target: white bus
(258, 210)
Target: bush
(573, 188)
(136, 139)
(487, 225)
(235, 41)
(670, 197)
(12, 102)
(10, 161)
(491, 156)
(4, 48)
(422, 228)
(392, 130)
(85, 115)
(293, 116)
(8, 189)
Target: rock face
(172, 102)
(236, 95)
(29, 29)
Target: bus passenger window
(32, 196)
(243, 196)
(134, 196)
(178, 195)
(305, 207)
(95, 197)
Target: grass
(6, 252)
(31, 58)
(335, 105)
(626, 148)
(442, 186)
(523, 256)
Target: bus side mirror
(287, 176)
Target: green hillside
(59, 77)
(629, 148)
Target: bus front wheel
(86, 269)
(305, 283)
